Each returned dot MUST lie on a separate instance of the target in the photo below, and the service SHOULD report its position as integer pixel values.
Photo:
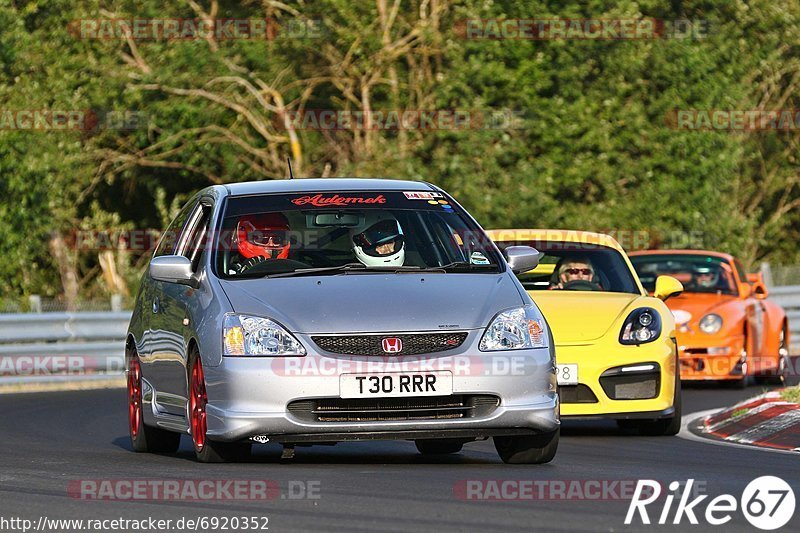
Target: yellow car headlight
(643, 325)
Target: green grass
(739, 412)
(791, 394)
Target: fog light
(632, 382)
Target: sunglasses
(268, 237)
(576, 271)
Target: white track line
(685, 433)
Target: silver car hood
(373, 303)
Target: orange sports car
(726, 328)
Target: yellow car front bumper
(616, 381)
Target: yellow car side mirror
(667, 287)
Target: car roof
(325, 185)
(555, 235)
(721, 255)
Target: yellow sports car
(615, 345)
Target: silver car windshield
(282, 235)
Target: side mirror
(521, 258)
(760, 290)
(745, 290)
(667, 287)
(173, 269)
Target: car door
(150, 296)
(173, 318)
(160, 345)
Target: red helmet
(264, 235)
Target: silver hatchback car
(321, 310)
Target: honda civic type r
(323, 310)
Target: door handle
(156, 305)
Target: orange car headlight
(711, 323)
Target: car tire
(145, 439)
(779, 378)
(205, 449)
(438, 446)
(666, 427)
(738, 384)
(528, 449)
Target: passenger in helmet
(705, 277)
(260, 238)
(380, 244)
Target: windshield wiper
(464, 265)
(349, 267)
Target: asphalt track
(51, 439)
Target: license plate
(567, 374)
(399, 384)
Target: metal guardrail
(36, 345)
(788, 297)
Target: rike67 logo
(767, 503)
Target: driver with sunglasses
(260, 238)
(576, 274)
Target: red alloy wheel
(197, 405)
(134, 396)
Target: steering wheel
(581, 285)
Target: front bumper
(249, 397)
(592, 400)
(712, 358)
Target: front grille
(576, 394)
(394, 409)
(412, 344)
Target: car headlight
(711, 323)
(244, 335)
(515, 329)
(642, 325)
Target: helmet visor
(268, 238)
(381, 239)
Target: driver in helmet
(260, 238)
(705, 277)
(380, 244)
(574, 269)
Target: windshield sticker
(321, 200)
(477, 258)
(422, 195)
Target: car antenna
(291, 174)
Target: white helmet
(381, 243)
